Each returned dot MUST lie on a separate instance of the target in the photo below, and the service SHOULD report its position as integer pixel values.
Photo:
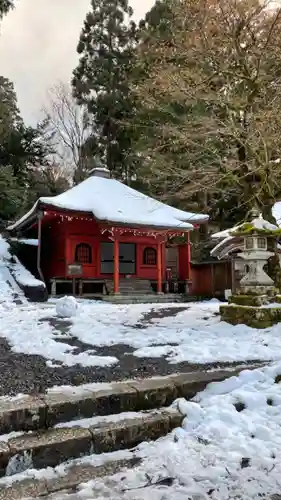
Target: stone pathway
(154, 314)
(22, 373)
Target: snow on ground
(27, 332)
(197, 333)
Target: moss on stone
(256, 317)
(249, 228)
(249, 300)
(273, 270)
(257, 290)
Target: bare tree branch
(211, 102)
(68, 124)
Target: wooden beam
(188, 257)
(159, 267)
(40, 217)
(116, 265)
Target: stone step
(130, 285)
(57, 435)
(32, 413)
(52, 447)
(148, 298)
(50, 482)
(130, 291)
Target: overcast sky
(38, 46)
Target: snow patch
(95, 421)
(79, 390)
(19, 463)
(22, 275)
(12, 263)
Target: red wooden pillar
(188, 257)
(116, 265)
(159, 267)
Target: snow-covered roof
(230, 240)
(258, 223)
(221, 235)
(111, 201)
(227, 246)
(26, 241)
(261, 223)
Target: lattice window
(149, 256)
(262, 243)
(83, 254)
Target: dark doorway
(127, 258)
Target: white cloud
(38, 46)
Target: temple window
(149, 256)
(83, 254)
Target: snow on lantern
(259, 238)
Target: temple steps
(130, 286)
(68, 430)
(148, 298)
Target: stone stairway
(67, 430)
(149, 298)
(130, 286)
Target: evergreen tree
(12, 195)
(9, 112)
(101, 80)
(5, 6)
(24, 151)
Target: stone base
(257, 290)
(256, 317)
(250, 300)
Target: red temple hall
(103, 237)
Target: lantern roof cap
(257, 226)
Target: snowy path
(106, 342)
(194, 334)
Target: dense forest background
(185, 106)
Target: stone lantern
(256, 288)
(256, 255)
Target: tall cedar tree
(210, 119)
(100, 81)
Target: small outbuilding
(103, 237)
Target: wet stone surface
(167, 312)
(21, 373)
